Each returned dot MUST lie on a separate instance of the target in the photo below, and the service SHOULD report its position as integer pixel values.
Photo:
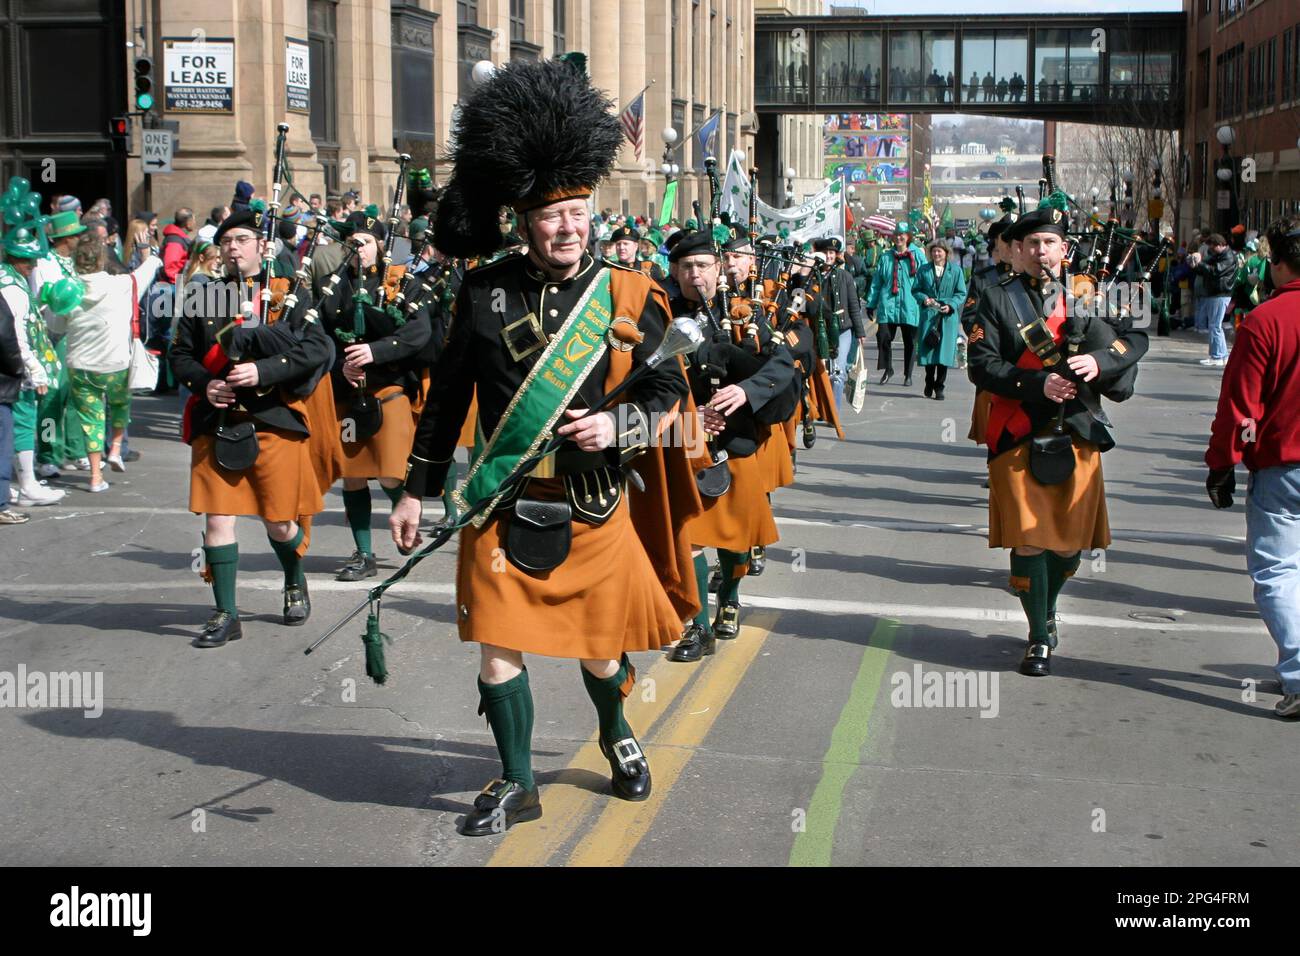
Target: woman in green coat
(892, 302)
(940, 292)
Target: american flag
(633, 119)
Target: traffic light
(144, 83)
(119, 133)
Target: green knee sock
(1059, 570)
(356, 505)
(394, 494)
(1029, 578)
(287, 552)
(223, 565)
(728, 563)
(608, 698)
(509, 711)
(702, 582)
(448, 505)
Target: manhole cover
(1153, 617)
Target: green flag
(669, 206)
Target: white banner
(818, 216)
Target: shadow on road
(408, 772)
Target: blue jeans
(6, 453)
(1273, 559)
(839, 371)
(1215, 308)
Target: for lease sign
(199, 75)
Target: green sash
(548, 390)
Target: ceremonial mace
(683, 335)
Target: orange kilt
(742, 518)
(775, 461)
(326, 450)
(1070, 516)
(383, 454)
(280, 486)
(821, 399)
(979, 417)
(604, 600)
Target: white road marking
(815, 605)
(905, 525)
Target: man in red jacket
(1258, 422)
(176, 245)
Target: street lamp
(668, 167)
(482, 72)
(789, 183)
(1227, 174)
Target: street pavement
(802, 742)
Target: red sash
(1006, 414)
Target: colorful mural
(867, 147)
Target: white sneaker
(1214, 363)
(48, 471)
(83, 464)
(37, 496)
(115, 462)
(102, 486)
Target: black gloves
(1220, 484)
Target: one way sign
(156, 155)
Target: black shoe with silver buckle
(698, 642)
(727, 624)
(500, 805)
(809, 435)
(630, 771)
(221, 628)
(757, 562)
(359, 566)
(1037, 661)
(297, 604)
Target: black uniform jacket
(765, 376)
(290, 355)
(980, 279)
(476, 357)
(842, 299)
(394, 347)
(996, 347)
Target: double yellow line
(670, 734)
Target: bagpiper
(376, 382)
(739, 389)
(981, 279)
(626, 242)
(247, 421)
(541, 337)
(1047, 365)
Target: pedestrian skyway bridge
(1119, 68)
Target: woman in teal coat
(940, 293)
(892, 302)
